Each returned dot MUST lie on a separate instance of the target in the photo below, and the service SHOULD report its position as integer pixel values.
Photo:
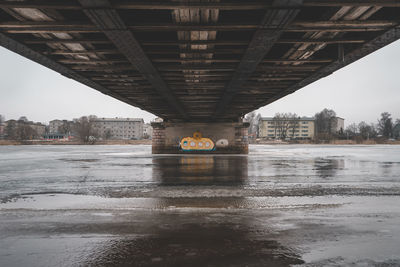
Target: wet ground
(278, 206)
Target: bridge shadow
(193, 240)
(200, 170)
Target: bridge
(198, 64)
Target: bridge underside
(197, 61)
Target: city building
(39, 128)
(337, 125)
(56, 136)
(300, 128)
(54, 126)
(147, 131)
(2, 129)
(61, 127)
(119, 128)
(14, 129)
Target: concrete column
(167, 137)
(158, 138)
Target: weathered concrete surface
(121, 206)
(167, 135)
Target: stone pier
(167, 137)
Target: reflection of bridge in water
(198, 65)
(200, 170)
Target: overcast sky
(358, 92)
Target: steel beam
(259, 46)
(298, 26)
(27, 52)
(226, 5)
(387, 38)
(111, 24)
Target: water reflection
(194, 240)
(328, 167)
(198, 169)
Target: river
(281, 205)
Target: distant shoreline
(333, 142)
(42, 142)
(148, 142)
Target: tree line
(386, 127)
(327, 126)
(20, 129)
(23, 129)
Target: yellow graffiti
(197, 142)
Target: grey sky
(358, 92)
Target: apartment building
(147, 131)
(337, 125)
(54, 126)
(119, 128)
(300, 128)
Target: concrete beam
(167, 136)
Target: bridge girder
(197, 61)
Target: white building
(54, 126)
(147, 131)
(338, 125)
(302, 128)
(119, 128)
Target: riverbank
(148, 142)
(103, 142)
(332, 142)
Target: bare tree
(396, 129)
(253, 118)
(84, 127)
(366, 131)
(284, 123)
(11, 130)
(25, 132)
(385, 125)
(325, 121)
(19, 130)
(108, 134)
(294, 123)
(351, 130)
(65, 127)
(277, 122)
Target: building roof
(301, 118)
(119, 119)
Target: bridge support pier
(167, 137)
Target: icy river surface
(281, 205)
